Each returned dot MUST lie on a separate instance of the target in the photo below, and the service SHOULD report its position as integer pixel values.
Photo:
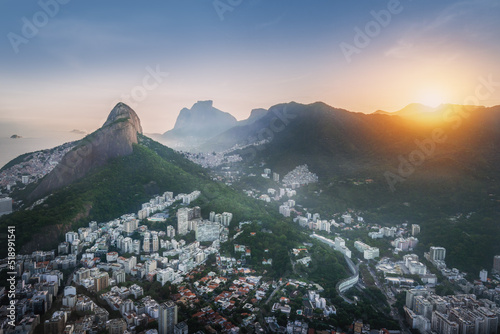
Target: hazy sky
(64, 64)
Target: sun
(431, 98)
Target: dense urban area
(166, 269)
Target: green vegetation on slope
(120, 187)
(16, 161)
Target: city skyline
(68, 62)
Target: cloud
(270, 23)
(401, 50)
(463, 12)
(84, 34)
(445, 35)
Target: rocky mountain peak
(203, 114)
(194, 126)
(114, 139)
(122, 112)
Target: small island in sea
(15, 137)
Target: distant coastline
(78, 132)
(10, 149)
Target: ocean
(12, 148)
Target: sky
(66, 63)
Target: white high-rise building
(496, 264)
(226, 218)
(119, 276)
(146, 245)
(127, 245)
(181, 328)
(136, 246)
(483, 275)
(142, 214)
(371, 253)
(154, 242)
(417, 268)
(368, 251)
(168, 317)
(409, 258)
(128, 264)
(75, 247)
(130, 225)
(276, 177)
(182, 221)
(339, 242)
(93, 225)
(150, 265)
(415, 229)
(437, 253)
(71, 236)
(83, 232)
(325, 226)
(170, 231)
(184, 216)
(284, 210)
(347, 218)
(165, 275)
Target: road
(274, 292)
(394, 311)
(69, 279)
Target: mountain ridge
(339, 146)
(198, 124)
(255, 115)
(116, 186)
(114, 139)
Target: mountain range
(334, 142)
(318, 129)
(114, 139)
(420, 164)
(203, 121)
(108, 173)
(340, 142)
